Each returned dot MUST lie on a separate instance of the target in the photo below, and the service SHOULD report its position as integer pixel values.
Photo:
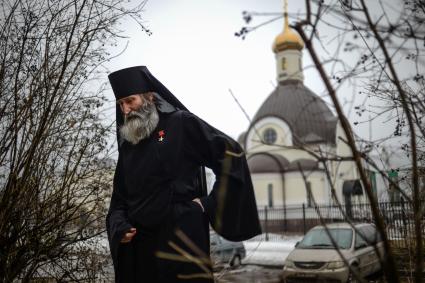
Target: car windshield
(319, 239)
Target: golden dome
(287, 39)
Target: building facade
(295, 144)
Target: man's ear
(150, 96)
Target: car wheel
(236, 261)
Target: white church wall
(296, 193)
(343, 170)
(289, 65)
(342, 148)
(294, 186)
(261, 183)
(322, 150)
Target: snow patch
(271, 253)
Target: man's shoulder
(181, 115)
(177, 119)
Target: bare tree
(376, 49)
(53, 148)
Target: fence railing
(397, 216)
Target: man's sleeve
(116, 220)
(230, 206)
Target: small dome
(288, 39)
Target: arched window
(269, 136)
(283, 63)
(309, 195)
(270, 194)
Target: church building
(294, 137)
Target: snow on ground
(272, 253)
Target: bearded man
(141, 117)
(159, 216)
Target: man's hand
(198, 201)
(129, 235)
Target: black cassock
(154, 184)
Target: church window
(269, 136)
(270, 194)
(309, 195)
(283, 63)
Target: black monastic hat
(138, 79)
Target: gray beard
(140, 124)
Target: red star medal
(161, 135)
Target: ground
(249, 273)
(263, 274)
(263, 262)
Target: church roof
(304, 164)
(265, 162)
(308, 116)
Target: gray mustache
(141, 113)
(133, 115)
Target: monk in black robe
(159, 216)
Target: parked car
(315, 256)
(224, 251)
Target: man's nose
(126, 109)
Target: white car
(316, 258)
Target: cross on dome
(288, 38)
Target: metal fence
(397, 216)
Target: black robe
(156, 179)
